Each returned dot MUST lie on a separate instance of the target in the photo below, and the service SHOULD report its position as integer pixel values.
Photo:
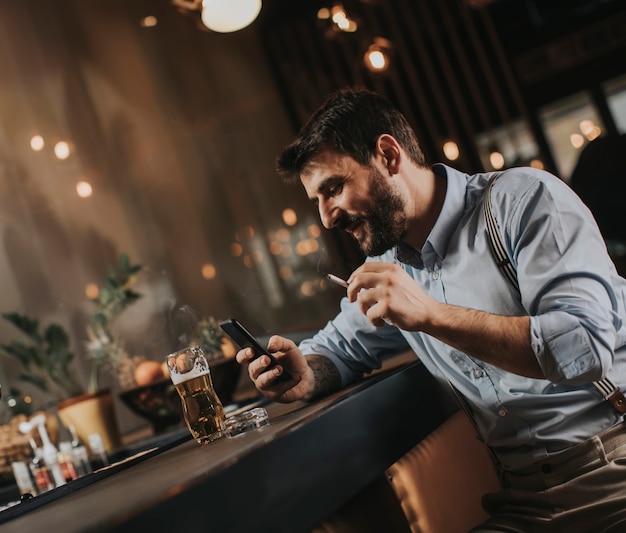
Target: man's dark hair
(349, 122)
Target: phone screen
(244, 339)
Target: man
(524, 362)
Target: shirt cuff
(561, 347)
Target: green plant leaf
(57, 339)
(115, 295)
(112, 279)
(123, 263)
(22, 352)
(37, 381)
(45, 359)
(26, 325)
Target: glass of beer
(202, 409)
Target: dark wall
(176, 129)
(460, 68)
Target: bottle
(80, 454)
(97, 447)
(49, 451)
(24, 479)
(39, 471)
(66, 461)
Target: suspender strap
(495, 239)
(610, 392)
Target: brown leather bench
(435, 488)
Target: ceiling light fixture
(451, 150)
(335, 21)
(225, 16)
(377, 58)
(222, 16)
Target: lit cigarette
(337, 280)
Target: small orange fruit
(228, 348)
(147, 372)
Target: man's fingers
(258, 366)
(243, 356)
(280, 344)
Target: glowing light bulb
(451, 150)
(225, 16)
(377, 60)
(84, 189)
(496, 159)
(377, 56)
(62, 150)
(577, 140)
(37, 143)
(289, 217)
(208, 271)
(92, 291)
(148, 22)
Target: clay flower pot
(92, 413)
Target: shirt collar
(436, 244)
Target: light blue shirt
(576, 335)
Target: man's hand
(385, 293)
(390, 295)
(302, 384)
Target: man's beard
(384, 221)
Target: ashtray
(237, 424)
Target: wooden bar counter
(285, 477)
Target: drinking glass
(202, 409)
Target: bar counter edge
(292, 482)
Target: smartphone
(244, 339)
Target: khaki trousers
(582, 490)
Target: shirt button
(478, 373)
(502, 412)
(434, 275)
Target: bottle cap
(65, 447)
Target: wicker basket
(14, 446)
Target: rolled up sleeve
(353, 344)
(569, 349)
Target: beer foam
(181, 359)
(193, 373)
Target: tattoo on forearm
(327, 378)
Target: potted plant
(47, 362)
(94, 411)
(103, 349)
(45, 357)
